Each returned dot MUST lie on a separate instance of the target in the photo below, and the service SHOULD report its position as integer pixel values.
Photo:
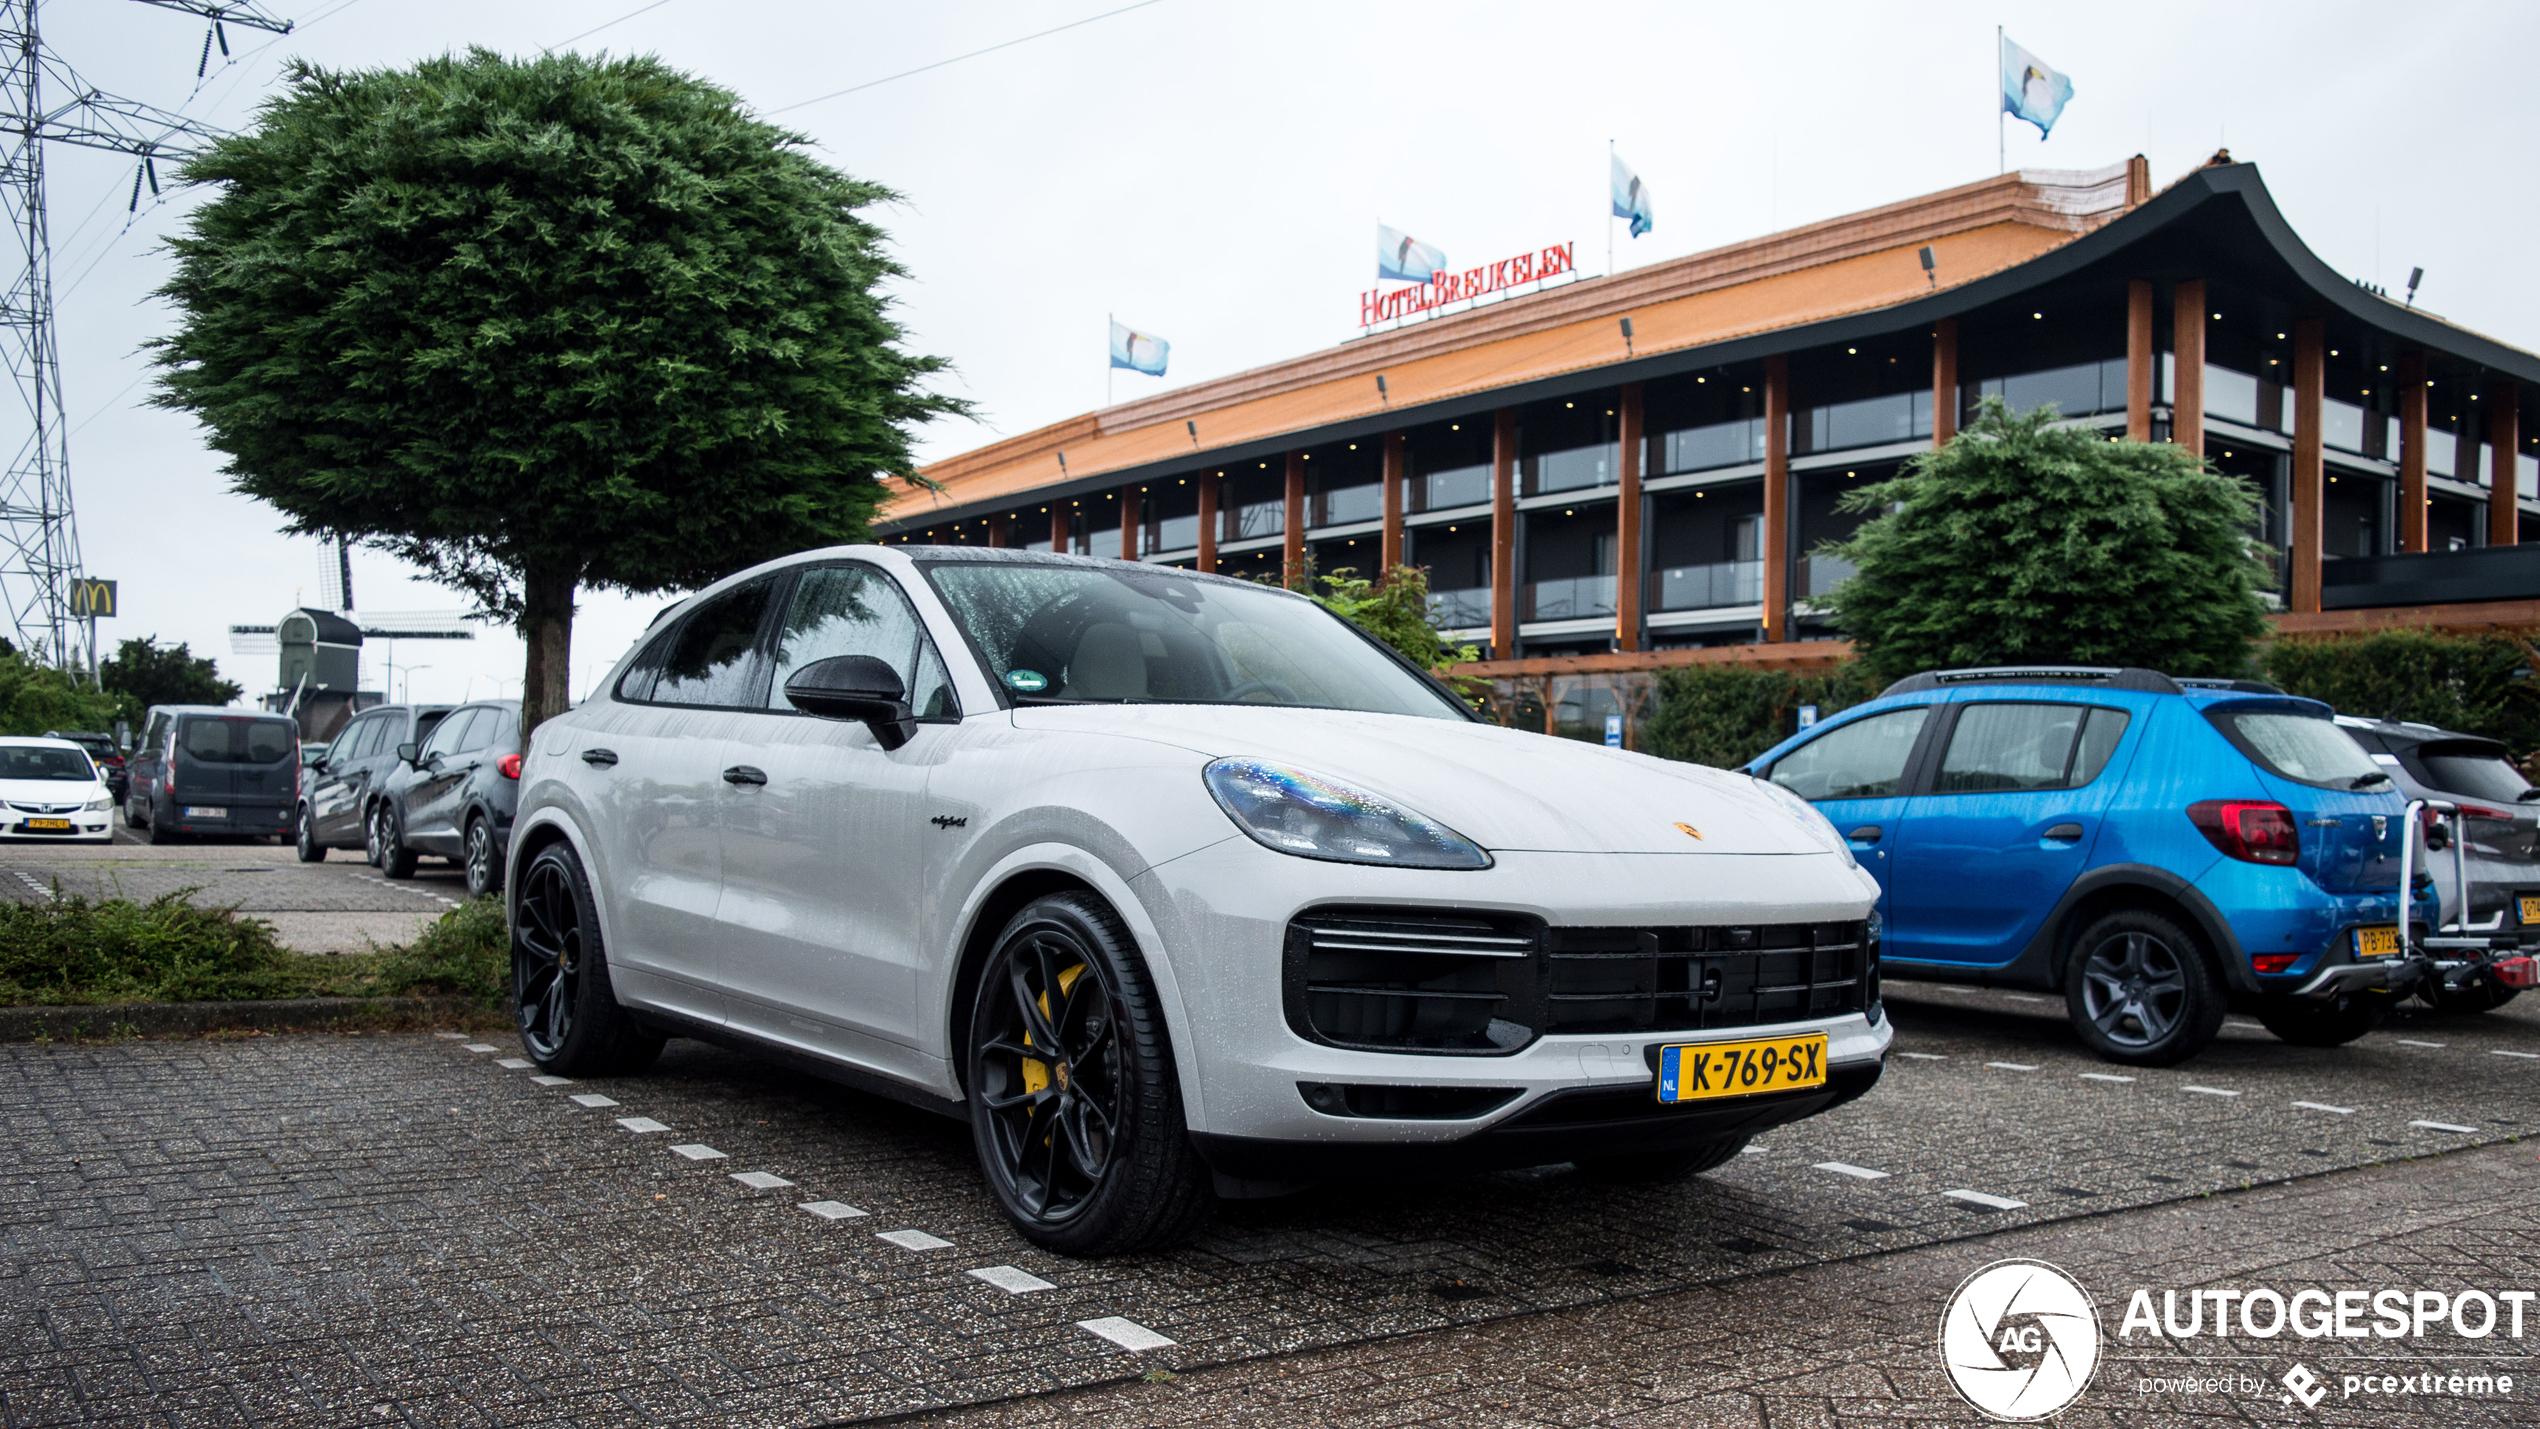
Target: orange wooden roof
(1857, 263)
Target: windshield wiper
(2366, 781)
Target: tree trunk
(546, 627)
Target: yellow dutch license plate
(2376, 942)
(1698, 1071)
(49, 826)
(2530, 908)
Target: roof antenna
(1930, 269)
(2415, 276)
(1627, 337)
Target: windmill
(44, 101)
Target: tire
(388, 841)
(162, 833)
(372, 832)
(133, 815)
(305, 837)
(2140, 991)
(570, 1023)
(482, 861)
(1088, 1155)
(2330, 1022)
(1662, 1167)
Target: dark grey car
(2501, 822)
(205, 769)
(453, 795)
(341, 792)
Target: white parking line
(913, 1240)
(2244, 1026)
(1753, 1151)
(638, 1124)
(2211, 1091)
(699, 1151)
(2104, 1077)
(478, 1047)
(1127, 1334)
(760, 1180)
(1011, 1280)
(451, 1036)
(2501, 1052)
(2013, 1066)
(2412, 1042)
(2324, 1106)
(1841, 1168)
(514, 1064)
(594, 1099)
(542, 1079)
(2445, 1126)
(1924, 1056)
(831, 1210)
(1979, 1198)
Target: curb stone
(163, 1019)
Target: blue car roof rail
(2107, 676)
(2237, 687)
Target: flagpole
(1609, 208)
(1107, 368)
(2001, 146)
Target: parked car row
(402, 781)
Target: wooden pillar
(999, 530)
(1294, 575)
(2412, 498)
(2310, 483)
(2504, 497)
(1208, 521)
(1503, 534)
(1128, 523)
(1392, 545)
(2187, 341)
(1775, 545)
(2140, 368)
(1944, 381)
(1627, 574)
(1059, 528)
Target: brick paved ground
(316, 1229)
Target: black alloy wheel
(570, 1022)
(1074, 1106)
(483, 862)
(305, 836)
(2139, 991)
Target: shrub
(2477, 684)
(71, 950)
(1725, 715)
(466, 951)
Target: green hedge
(1725, 715)
(2478, 684)
(70, 951)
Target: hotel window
(1450, 466)
(1255, 504)
(1567, 446)
(2081, 390)
(1869, 422)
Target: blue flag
(1399, 255)
(1138, 351)
(1630, 199)
(2030, 90)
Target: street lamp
(394, 667)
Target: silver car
(2501, 824)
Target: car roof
(38, 741)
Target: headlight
(1312, 817)
(1808, 815)
(101, 803)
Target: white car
(51, 789)
(1172, 886)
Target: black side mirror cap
(857, 687)
(407, 752)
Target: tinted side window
(501, 732)
(713, 657)
(2099, 738)
(1862, 760)
(425, 727)
(2004, 748)
(348, 742)
(447, 739)
(857, 610)
(640, 677)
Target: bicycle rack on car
(2451, 960)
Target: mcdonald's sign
(91, 599)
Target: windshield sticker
(1028, 681)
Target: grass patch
(71, 951)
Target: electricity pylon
(46, 102)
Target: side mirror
(406, 752)
(318, 764)
(856, 687)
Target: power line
(595, 29)
(974, 54)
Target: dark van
(204, 769)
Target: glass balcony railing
(1579, 598)
(1708, 587)
(1257, 518)
(1572, 470)
(1820, 574)
(1344, 505)
(1721, 444)
(1442, 490)
(1461, 609)
(1174, 533)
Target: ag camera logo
(2020, 1340)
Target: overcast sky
(1212, 173)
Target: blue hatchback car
(2157, 851)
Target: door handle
(600, 758)
(1866, 834)
(744, 774)
(2065, 833)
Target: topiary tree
(538, 325)
(2025, 541)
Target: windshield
(2310, 748)
(238, 741)
(1088, 635)
(36, 761)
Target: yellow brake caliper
(1036, 1074)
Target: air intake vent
(1411, 982)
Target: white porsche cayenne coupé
(1173, 887)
